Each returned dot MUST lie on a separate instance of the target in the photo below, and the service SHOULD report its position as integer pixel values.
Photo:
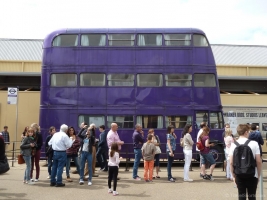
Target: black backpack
(243, 161)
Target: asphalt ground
(12, 186)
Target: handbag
(182, 142)
(20, 159)
(4, 166)
(200, 146)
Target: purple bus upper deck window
(204, 80)
(177, 39)
(63, 80)
(65, 41)
(92, 79)
(93, 40)
(149, 40)
(200, 41)
(178, 80)
(121, 39)
(149, 80)
(121, 80)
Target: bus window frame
(77, 81)
(78, 42)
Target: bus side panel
(149, 96)
(203, 56)
(206, 96)
(63, 96)
(149, 57)
(121, 57)
(177, 57)
(92, 96)
(64, 56)
(177, 96)
(93, 57)
(121, 96)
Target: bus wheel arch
(218, 153)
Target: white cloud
(225, 22)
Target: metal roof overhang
(251, 78)
(20, 73)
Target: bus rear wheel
(218, 154)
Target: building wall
(28, 113)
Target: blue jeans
(75, 159)
(59, 161)
(137, 158)
(28, 162)
(49, 166)
(169, 165)
(86, 156)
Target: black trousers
(246, 188)
(112, 175)
(102, 158)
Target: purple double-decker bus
(154, 77)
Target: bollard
(13, 154)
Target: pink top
(228, 141)
(113, 137)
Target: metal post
(261, 186)
(13, 154)
(17, 105)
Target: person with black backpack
(245, 163)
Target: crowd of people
(66, 145)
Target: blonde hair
(35, 127)
(150, 130)
(228, 132)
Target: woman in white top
(113, 167)
(156, 142)
(228, 140)
(187, 149)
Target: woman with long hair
(113, 167)
(27, 145)
(156, 142)
(205, 155)
(23, 135)
(187, 149)
(72, 152)
(170, 148)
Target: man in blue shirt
(256, 136)
(138, 140)
(102, 149)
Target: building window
(149, 40)
(149, 80)
(200, 41)
(204, 80)
(121, 80)
(216, 120)
(93, 40)
(65, 41)
(178, 80)
(122, 121)
(63, 80)
(98, 120)
(177, 39)
(150, 121)
(178, 121)
(121, 39)
(92, 79)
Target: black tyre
(218, 154)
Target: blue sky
(223, 21)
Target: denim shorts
(207, 157)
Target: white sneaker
(81, 182)
(110, 191)
(86, 176)
(30, 183)
(89, 183)
(115, 193)
(36, 180)
(188, 180)
(31, 179)
(49, 177)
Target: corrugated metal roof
(20, 49)
(239, 54)
(31, 50)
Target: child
(148, 152)
(113, 167)
(228, 140)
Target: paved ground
(11, 187)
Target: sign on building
(12, 95)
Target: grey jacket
(25, 147)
